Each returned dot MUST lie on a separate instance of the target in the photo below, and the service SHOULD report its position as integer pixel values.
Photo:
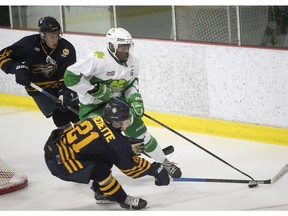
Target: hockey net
(11, 179)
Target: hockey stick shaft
(50, 96)
(278, 176)
(220, 180)
(167, 150)
(182, 136)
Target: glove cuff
(136, 97)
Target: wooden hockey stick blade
(276, 178)
(168, 150)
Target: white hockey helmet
(116, 36)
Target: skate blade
(105, 202)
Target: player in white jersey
(113, 73)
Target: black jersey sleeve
(10, 55)
(16, 52)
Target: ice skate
(133, 203)
(173, 170)
(101, 198)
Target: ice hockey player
(42, 59)
(89, 150)
(113, 73)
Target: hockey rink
(24, 133)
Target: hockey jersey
(102, 67)
(95, 141)
(47, 67)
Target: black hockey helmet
(48, 24)
(116, 110)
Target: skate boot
(101, 198)
(172, 169)
(133, 203)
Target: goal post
(11, 179)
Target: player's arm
(134, 166)
(70, 59)
(143, 167)
(66, 96)
(9, 56)
(12, 61)
(134, 98)
(78, 77)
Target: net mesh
(11, 179)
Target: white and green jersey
(102, 67)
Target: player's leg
(112, 188)
(73, 117)
(48, 107)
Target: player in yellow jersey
(88, 152)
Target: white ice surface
(23, 134)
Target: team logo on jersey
(65, 52)
(110, 73)
(47, 70)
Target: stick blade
(280, 174)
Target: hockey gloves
(101, 92)
(136, 102)
(137, 145)
(160, 174)
(22, 73)
(67, 98)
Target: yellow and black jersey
(94, 141)
(47, 66)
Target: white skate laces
(133, 203)
(173, 170)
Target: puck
(252, 184)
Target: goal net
(11, 179)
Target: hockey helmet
(48, 24)
(117, 36)
(116, 111)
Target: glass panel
(28, 16)
(146, 21)
(88, 19)
(264, 25)
(206, 23)
(4, 18)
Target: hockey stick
(276, 178)
(168, 150)
(165, 126)
(51, 96)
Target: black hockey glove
(137, 145)
(22, 73)
(67, 98)
(160, 174)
